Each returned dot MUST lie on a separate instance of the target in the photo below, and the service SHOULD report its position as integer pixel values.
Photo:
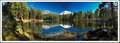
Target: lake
(63, 31)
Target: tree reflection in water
(61, 30)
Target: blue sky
(59, 7)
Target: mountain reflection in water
(58, 30)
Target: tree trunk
(112, 12)
(21, 18)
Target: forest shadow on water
(61, 31)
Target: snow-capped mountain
(65, 13)
(45, 12)
(48, 12)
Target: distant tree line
(20, 10)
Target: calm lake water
(65, 30)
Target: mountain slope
(46, 12)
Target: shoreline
(30, 20)
(38, 20)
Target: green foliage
(8, 21)
(75, 16)
(82, 15)
(40, 14)
(97, 13)
(108, 13)
(31, 13)
(20, 11)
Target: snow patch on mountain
(65, 13)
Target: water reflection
(65, 26)
(59, 30)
